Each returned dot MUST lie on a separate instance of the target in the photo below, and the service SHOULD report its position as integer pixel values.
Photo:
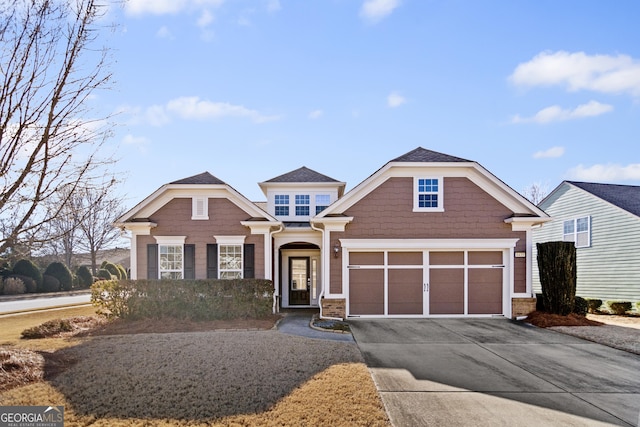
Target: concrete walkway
(492, 372)
(299, 324)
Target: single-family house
(604, 222)
(427, 234)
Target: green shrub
(594, 305)
(619, 307)
(557, 267)
(62, 273)
(580, 306)
(50, 284)
(105, 275)
(113, 269)
(85, 278)
(184, 299)
(123, 272)
(13, 286)
(26, 267)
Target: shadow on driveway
(496, 372)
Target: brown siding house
(428, 234)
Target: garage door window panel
(405, 258)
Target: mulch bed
(547, 320)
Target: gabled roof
(203, 178)
(423, 155)
(421, 159)
(625, 197)
(303, 174)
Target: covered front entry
(423, 283)
(299, 275)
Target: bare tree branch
(48, 138)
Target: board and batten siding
(609, 269)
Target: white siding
(610, 268)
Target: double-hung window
(322, 202)
(230, 261)
(282, 205)
(578, 230)
(171, 261)
(302, 205)
(428, 194)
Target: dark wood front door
(299, 281)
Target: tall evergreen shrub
(557, 267)
(26, 267)
(62, 273)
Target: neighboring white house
(604, 222)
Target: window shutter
(212, 261)
(152, 261)
(249, 261)
(189, 261)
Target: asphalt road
(27, 303)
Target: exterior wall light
(336, 250)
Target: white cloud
(206, 18)
(375, 10)
(164, 7)
(605, 172)
(316, 114)
(273, 6)
(557, 114)
(140, 142)
(579, 71)
(164, 33)
(193, 108)
(395, 100)
(550, 153)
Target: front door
(299, 281)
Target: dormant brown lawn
(206, 378)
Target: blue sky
(535, 91)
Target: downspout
(276, 289)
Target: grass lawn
(332, 391)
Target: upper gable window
(427, 194)
(322, 202)
(302, 205)
(578, 230)
(199, 208)
(282, 205)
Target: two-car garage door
(428, 282)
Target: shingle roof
(203, 178)
(626, 197)
(423, 155)
(303, 174)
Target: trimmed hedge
(619, 307)
(594, 305)
(25, 267)
(184, 299)
(62, 273)
(581, 306)
(85, 278)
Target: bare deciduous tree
(50, 66)
(96, 210)
(536, 192)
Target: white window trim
(576, 232)
(197, 202)
(440, 193)
(170, 241)
(231, 241)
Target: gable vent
(200, 208)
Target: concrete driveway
(493, 372)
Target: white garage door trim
(429, 245)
